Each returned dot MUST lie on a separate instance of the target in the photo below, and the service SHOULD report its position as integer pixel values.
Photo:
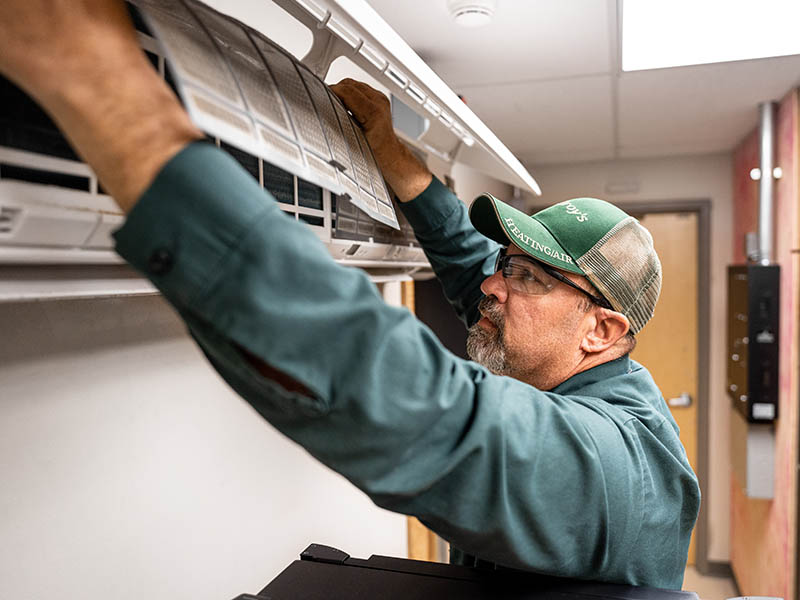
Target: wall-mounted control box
(753, 340)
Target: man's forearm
(82, 62)
(125, 127)
(403, 172)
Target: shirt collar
(613, 368)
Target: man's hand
(372, 110)
(81, 61)
(401, 169)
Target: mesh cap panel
(625, 268)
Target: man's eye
(529, 275)
(523, 273)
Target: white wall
(679, 178)
(471, 183)
(130, 470)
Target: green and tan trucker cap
(588, 237)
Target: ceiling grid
(546, 77)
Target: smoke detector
(472, 13)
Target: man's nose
(495, 285)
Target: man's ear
(609, 327)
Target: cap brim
(507, 225)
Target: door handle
(680, 401)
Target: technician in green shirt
(558, 456)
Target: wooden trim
(407, 295)
(421, 541)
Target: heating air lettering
(527, 240)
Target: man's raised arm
(82, 62)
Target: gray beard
(486, 347)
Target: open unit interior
(272, 113)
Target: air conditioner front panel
(369, 42)
(101, 237)
(35, 222)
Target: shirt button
(160, 261)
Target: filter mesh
(242, 88)
(625, 268)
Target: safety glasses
(527, 275)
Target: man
(563, 461)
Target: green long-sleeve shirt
(588, 480)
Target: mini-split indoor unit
(273, 113)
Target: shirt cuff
(191, 217)
(432, 208)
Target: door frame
(702, 208)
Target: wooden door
(667, 345)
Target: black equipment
(325, 573)
(753, 328)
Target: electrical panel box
(753, 340)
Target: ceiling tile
(548, 157)
(526, 40)
(560, 116)
(677, 149)
(697, 109)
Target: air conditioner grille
(279, 183)
(25, 126)
(248, 161)
(309, 195)
(44, 177)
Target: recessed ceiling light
(472, 13)
(687, 32)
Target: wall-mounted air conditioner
(272, 113)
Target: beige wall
(660, 180)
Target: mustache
(485, 346)
(489, 307)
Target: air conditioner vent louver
(8, 219)
(44, 177)
(25, 126)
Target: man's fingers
(370, 108)
(348, 83)
(356, 101)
